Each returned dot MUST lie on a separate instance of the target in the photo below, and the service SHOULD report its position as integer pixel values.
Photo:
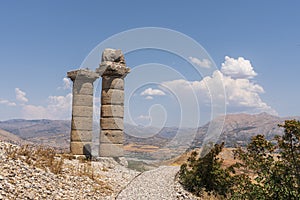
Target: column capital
(113, 64)
(83, 74)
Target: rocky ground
(155, 184)
(79, 179)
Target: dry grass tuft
(49, 160)
(40, 157)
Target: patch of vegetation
(205, 174)
(48, 159)
(264, 169)
(40, 157)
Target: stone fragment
(113, 56)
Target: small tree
(206, 173)
(275, 167)
(267, 170)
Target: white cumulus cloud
(149, 97)
(242, 95)
(67, 83)
(143, 117)
(201, 63)
(6, 102)
(58, 107)
(238, 68)
(20, 96)
(152, 92)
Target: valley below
(147, 143)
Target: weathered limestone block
(84, 75)
(82, 123)
(112, 83)
(83, 100)
(111, 150)
(112, 97)
(81, 148)
(108, 68)
(81, 135)
(113, 55)
(82, 111)
(112, 124)
(112, 111)
(112, 136)
(83, 88)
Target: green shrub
(206, 174)
(267, 169)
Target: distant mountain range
(55, 133)
(237, 129)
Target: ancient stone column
(82, 111)
(113, 71)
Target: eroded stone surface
(112, 83)
(113, 69)
(81, 148)
(82, 111)
(83, 100)
(112, 136)
(82, 123)
(112, 124)
(112, 97)
(83, 88)
(113, 55)
(81, 135)
(82, 74)
(112, 111)
(111, 150)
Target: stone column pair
(113, 70)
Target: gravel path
(155, 184)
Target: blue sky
(255, 45)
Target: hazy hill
(54, 133)
(237, 129)
(10, 137)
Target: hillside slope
(239, 128)
(10, 137)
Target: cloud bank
(242, 95)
